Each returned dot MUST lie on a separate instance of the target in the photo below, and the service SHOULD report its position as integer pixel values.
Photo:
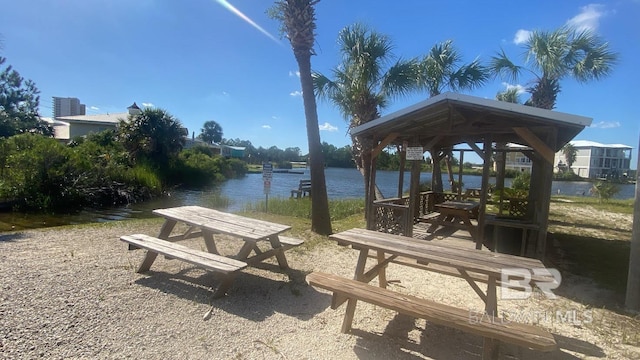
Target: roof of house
(587, 143)
(98, 118)
(450, 119)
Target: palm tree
(154, 134)
(361, 86)
(554, 55)
(211, 132)
(298, 19)
(510, 95)
(441, 70)
(570, 154)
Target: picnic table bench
(470, 264)
(205, 223)
(304, 188)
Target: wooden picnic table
(470, 264)
(204, 222)
(456, 214)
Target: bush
(604, 190)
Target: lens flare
(242, 16)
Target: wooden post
(460, 175)
(414, 196)
(632, 301)
(403, 161)
(484, 193)
(371, 191)
(544, 196)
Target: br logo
(518, 285)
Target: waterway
(237, 193)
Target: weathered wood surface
(208, 261)
(471, 260)
(222, 222)
(489, 327)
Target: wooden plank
(285, 240)
(386, 141)
(212, 262)
(471, 260)
(489, 327)
(217, 221)
(534, 141)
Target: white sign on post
(414, 153)
(267, 175)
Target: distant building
(67, 107)
(232, 151)
(595, 160)
(516, 160)
(69, 125)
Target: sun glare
(242, 16)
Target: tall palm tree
(441, 69)
(362, 86)
(299, 23)
(552, 56)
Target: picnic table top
(458, 205)
(473, 260)
(222, 222)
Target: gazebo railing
(391, 215)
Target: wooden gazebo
(455, 122)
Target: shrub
(604, 190)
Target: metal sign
(267, 172)
(415, 153)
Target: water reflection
(234, 194)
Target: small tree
(19, 102)
(604, 190)
(154, 135)
(211, 132)
(570, 154)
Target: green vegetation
(19, 102)
(338, 209)
(604, 190)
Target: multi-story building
(67, 107)
(595, 160)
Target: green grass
(301, 208)
(612, 205)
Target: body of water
(341, 184)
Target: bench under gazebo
(455, 123)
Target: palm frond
(500, 65)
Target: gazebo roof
(450, 119)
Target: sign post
(267, 175)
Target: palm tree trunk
(320, 219)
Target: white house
(596, 160)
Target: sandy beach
(73, 293)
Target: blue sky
(201, 61)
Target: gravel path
(73, 293)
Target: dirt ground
(73, 293)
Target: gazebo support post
(460, 174)
(545, 197)
(402, 149)
(371, 191)
(484, 193)
(436, 172)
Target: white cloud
(328, 127)
(224, 93)
(266, 126)
(296, 93)
(588, 18)
(521, 36)
(294, 73)
(606, 125)
(274, 117)
(145, 104)
(94, 108)
(520, 89)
